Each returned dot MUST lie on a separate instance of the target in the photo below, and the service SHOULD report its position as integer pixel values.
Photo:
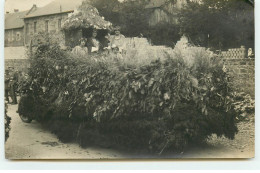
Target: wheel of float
(25, 119)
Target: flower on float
(166, 96)
(57, 67)
(74, 81)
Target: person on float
(81, 50)
(93, 44)
(118, 40)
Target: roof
(14, 20)
(55, 7)
(155, 3)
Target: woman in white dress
(81, 50)
(118, 41)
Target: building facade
(49, 19)
(14, 29)
(20, 27)
(49, 23)
(164, 11)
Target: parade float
(163, 102)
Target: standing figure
(81, 50)
(12, 87)
(93, 44)
(7, 80)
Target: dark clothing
(92, 42)
(6, 95)
(7, 80)
(104, 43)
(12, 87)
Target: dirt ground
(243, 146)
(31, 141)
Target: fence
(241, 68)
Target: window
(59, 24)
(35, 27)
(18, 36)
(46, 26)
(27, 28)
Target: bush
(163, 104)
(7, 123)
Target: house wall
(14, 37)
(49, 23)
(17, 64)
(166, 13)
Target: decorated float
(140, 101)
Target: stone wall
(16, 57)
(241, 68)
(18, 64)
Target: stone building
(21, 26)
(14, 29)
(49, 18)
(15, 52)
(164, 11)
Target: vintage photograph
(129, 79)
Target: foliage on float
(105, 99)
(86, 16)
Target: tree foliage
(219, 24)
(130, 15)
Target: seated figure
(93, 44)
(81, 50)
(117, 41)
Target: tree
(129, 15)
(219, 24)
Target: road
(32, 141)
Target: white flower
(74, 81)
(166, 96)
(224, 69)
(86, 95)
(43, 89)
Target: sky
(22, 5)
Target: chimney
(16, 10)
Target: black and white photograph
(129, 79)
